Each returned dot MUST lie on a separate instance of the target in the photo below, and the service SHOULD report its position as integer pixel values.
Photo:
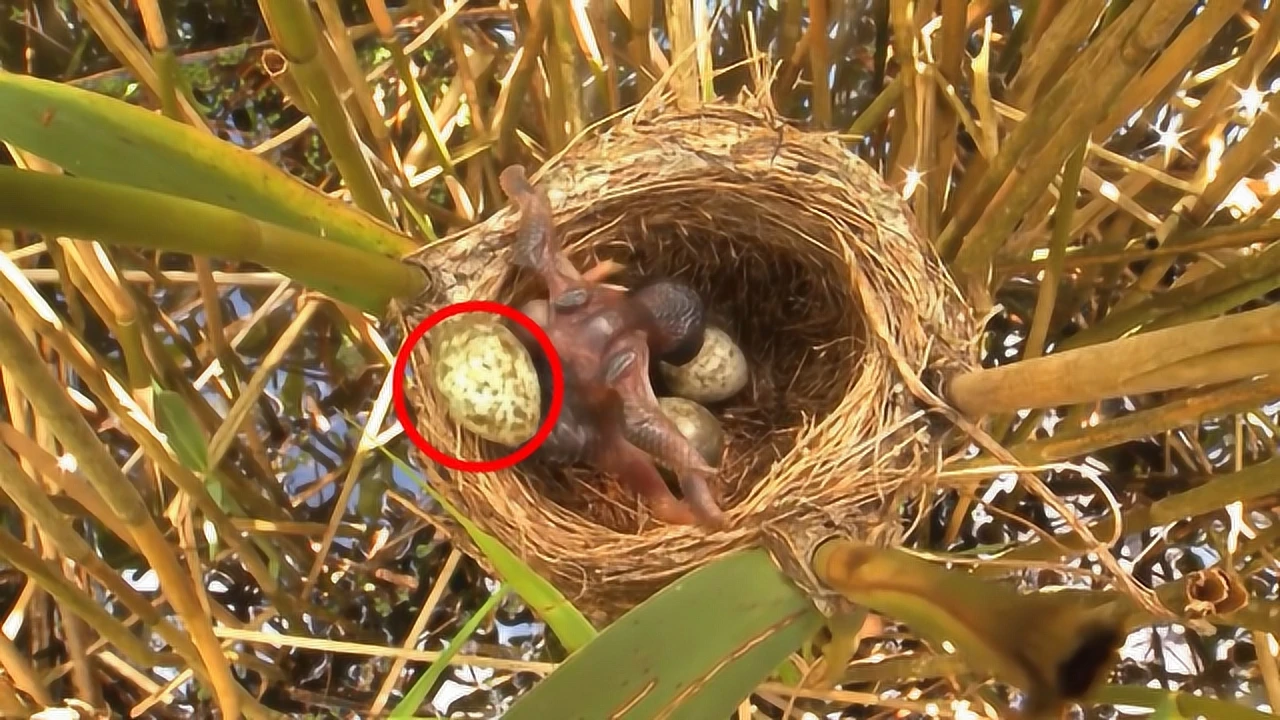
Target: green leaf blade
(96, 136)
(668, 655)
(122, 215)
(182, 429)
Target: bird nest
(803, 254)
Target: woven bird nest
(803, 253)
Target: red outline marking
(402, 362)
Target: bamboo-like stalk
(641, 35)
(18, 667)
(115, 33)
(684, 79)
(1201, 240)
(239, 413)
(1135, 36)
(49, 276)
(49, 400)
(792, 41)
(141, 607)
(29, 496)
(1055, 48)
(592, 53)
(1257, 274)
(951, 54)
(182, 477)
(122, 311)
(378, 413)
(563, 76)
(1245, 484)
(417, 98)
(1202, 353)
(1047, 296)
(162, 54)
(1178, 704)
(72, 350)
(905, 132)
(512, 97)
(1239, 158)
(1045, 302)
(598, 15)
(893, 669)
(1210, 118)
(417, 693)
(1215, 492)
(878, 110)
(294, 30)
(75, 299)
(419, 625)
(10, 704)
(1077, 88)
(820, 62)
(361, 91)
(1240, 396)
(1056, 647)
(1018, 37)
(73, 484)
(128, 216)
(1170, 64)
(1268, 668)
(215, 325)
(1250, 286)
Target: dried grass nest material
(806, 257)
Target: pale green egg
(717, 373)
(486, 378)
(697, 425)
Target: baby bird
(605, 337)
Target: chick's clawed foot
(648, 428)
(624, 460)
(651, 431)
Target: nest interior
(808, 259)
(800, 368)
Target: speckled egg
(717, 373)
(698, 425)
(486, 378)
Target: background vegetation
(179, 412)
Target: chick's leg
(636, 470)
(649, 429)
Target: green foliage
(418, 693)
(129, 216)
(695, 650)
(95, 136)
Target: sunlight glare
(1273, 180)
(912, 182)
(1170, 139)
(1251, 102)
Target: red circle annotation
(400, 402)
